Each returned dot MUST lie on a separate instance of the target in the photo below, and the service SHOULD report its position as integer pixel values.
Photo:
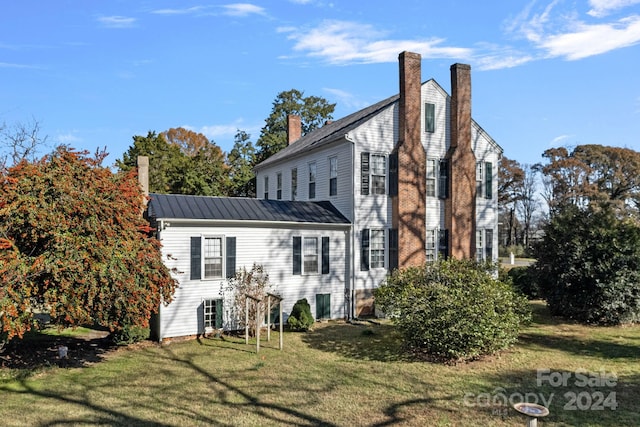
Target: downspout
(352, 291)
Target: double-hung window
(431, 245)
(312, 180)
(333, 176)
(373, 173)
(378, 173)
(372, 248)
(479, 179)
(310, 255)
(484, 180)
(266, 187)
(431, 178)
(294, 183)
(212, 313)
(279, 186)
(212, 257)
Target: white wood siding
(270, 246)
(373, 211)
(342, 201)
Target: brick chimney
(294, 128)
(409, 204)
(460, 207)
(143, 176)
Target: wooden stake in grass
(246, 320)
(279, 298)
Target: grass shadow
(358, 340)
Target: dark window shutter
(443, 181)
(443, 244)
(364, 172)
(325, 255)
(393, 249)
(231, 257)
(196, 249)
(364, 250)
(393, 174)
(297, 255)
(218, 314)
(488, 179)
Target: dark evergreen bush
(130, 334)
(300, 318)
(588, 266)
(523, 280)
(453, 309)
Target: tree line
(182, 161)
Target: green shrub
(588, 266)
(130, 334)
(453, 309)
(523, 280)
(300, 318)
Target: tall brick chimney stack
(143, 176)
(460, 207)
(409, 205)
(294, 128)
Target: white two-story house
(414, 174)
(405, 181)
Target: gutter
(350, 314)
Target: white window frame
(210, 315)
(479, 179)
(306, 255)
(313, 177)
(432, 178)
(266, 187)
(432, 244)
(378, 176)
(294, 183)
(333, 175)
(279, 186)
(221, 256)
(480, 245)
(377, 250)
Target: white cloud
(561, 33)
(186, 11)
(601, 8)
(117, 21)
(588, 40)
(560, 138)
(498, 62)
(12, 65)
(67, 138)
(342, 42)
(243, 9)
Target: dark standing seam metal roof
(178, 206)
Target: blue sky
(545, 73)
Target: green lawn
(338, 374)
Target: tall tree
(593, 174)
(528, 202)
(204, 172)
(73, 242)
(313, 111)
(510, 179)
(166, 162)
(241, 159)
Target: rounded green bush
(523, 280)
(453, 310)
(300, 317)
